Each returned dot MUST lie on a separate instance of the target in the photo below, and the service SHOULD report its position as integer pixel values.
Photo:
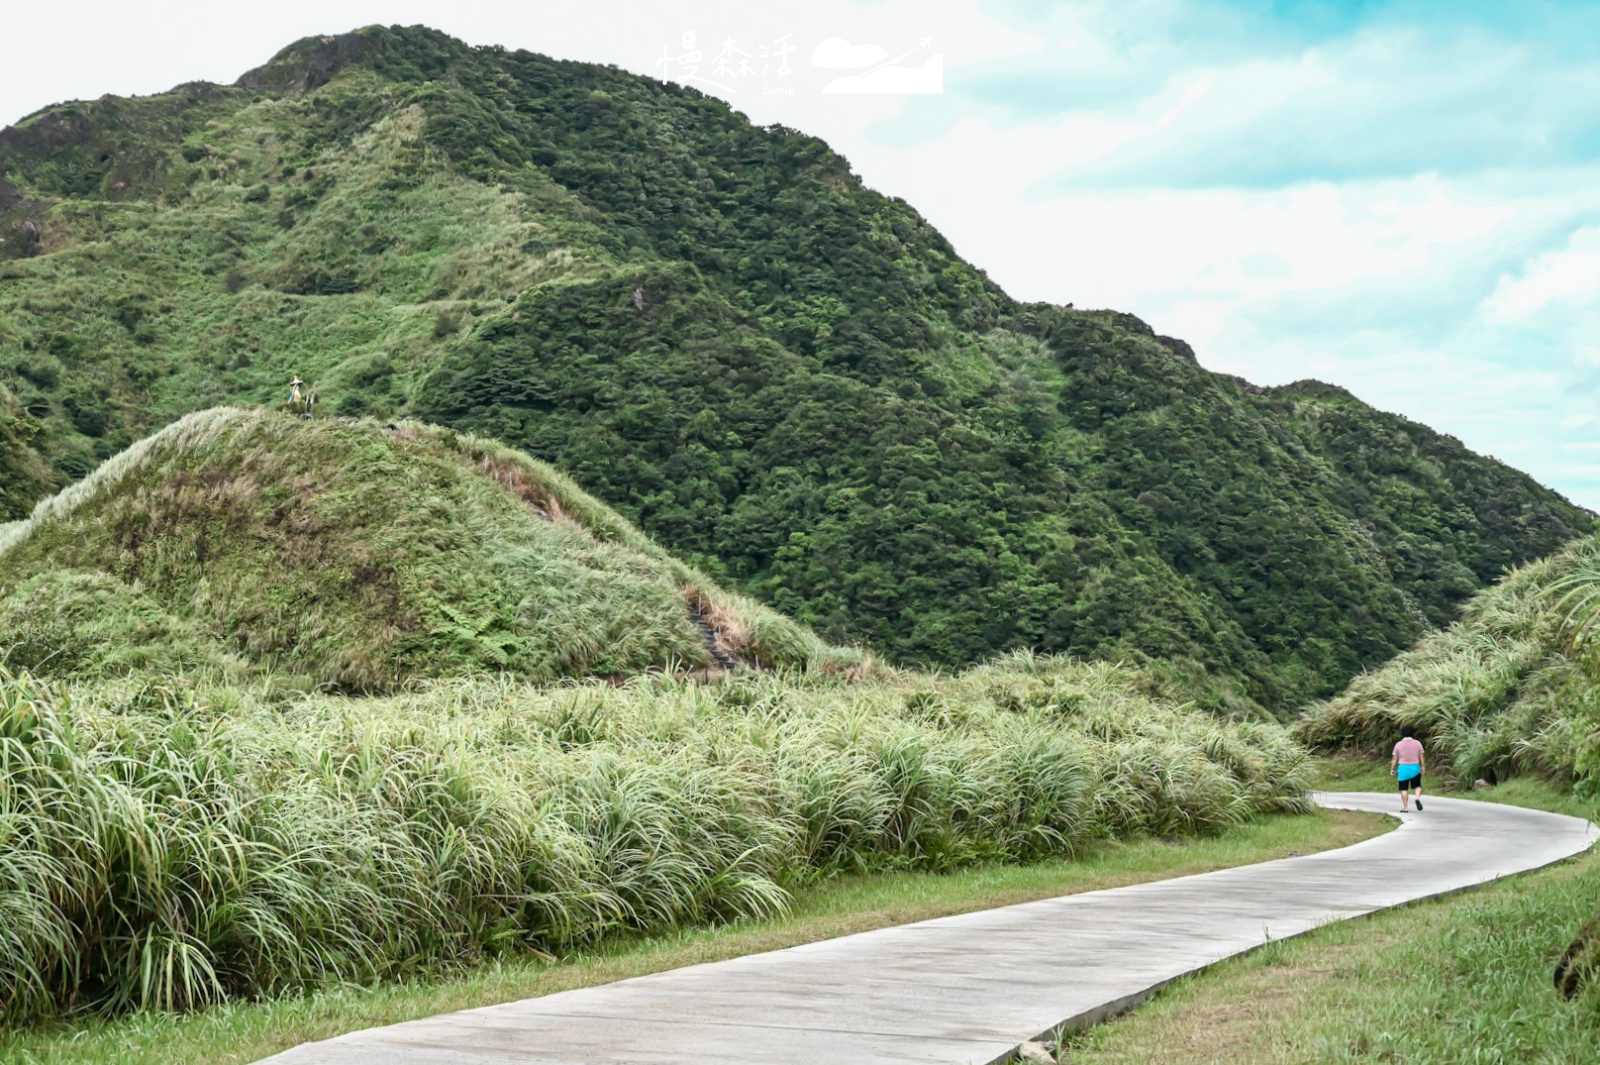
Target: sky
(1401, 198)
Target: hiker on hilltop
(301, 401)
(1407, 765)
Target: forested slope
(782, 375)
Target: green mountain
(788, 379)
(360, 556)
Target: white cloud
(1568, 274)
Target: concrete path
(966, 990)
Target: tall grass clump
(166, 846)
(1513, 687)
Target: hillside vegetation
(360, 556)
(1505, 691)
(166, 847)
(789, 380)
(1510, 690)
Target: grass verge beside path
(234, 1034)
(1466, 978)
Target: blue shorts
(1410, 776)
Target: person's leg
(1416, 791)
(1405, 796)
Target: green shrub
(73, 465)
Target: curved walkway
(966, 990)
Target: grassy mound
(165, 846)
(1502, 692)
(359, 556)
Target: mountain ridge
(792, 380)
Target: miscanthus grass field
(167, 845)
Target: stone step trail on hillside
(969, 989)
(709, 636)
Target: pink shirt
(1409, 751)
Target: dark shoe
(1417, 803)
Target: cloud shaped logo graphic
(836, 53)
(888, 79)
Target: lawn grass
(1350, 774)
(1466, 978)
(244, 1032)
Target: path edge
(1107, 1011)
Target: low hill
(356, 555)
(791, 381)
(1504, 691)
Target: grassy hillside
(789, 380)
(167, 846)
(1511, 690)
(1502, 692)
(356, 555)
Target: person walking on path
(1407, 765)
